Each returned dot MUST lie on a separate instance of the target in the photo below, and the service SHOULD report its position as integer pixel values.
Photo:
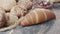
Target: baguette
(37, 16)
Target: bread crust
(37, 16)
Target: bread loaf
(36, 16)
(25, 4)
(7, 4)
(18, 11)
(11, 19)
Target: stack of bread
(18, 14)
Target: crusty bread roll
(11, 19)
(2, 17)
(36, 16)
(16, 10)
(25, 4)
(7, 4)
(11, 22)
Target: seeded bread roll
(16, 10)
(7, 4)
(37, 16)
(25, 4)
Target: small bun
(7, 4)
(11, 19)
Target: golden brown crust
(33, 17)
(50, 14)
(41, 16)
(37, 16)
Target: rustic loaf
(36, 16)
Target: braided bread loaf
(37, 16)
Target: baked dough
(25, 4)
(37, 16)
(7, 4)
(11, 19)
(18, 11)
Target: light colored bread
(16, 10)
(7, 4)
(11, 19)
(25, 4)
